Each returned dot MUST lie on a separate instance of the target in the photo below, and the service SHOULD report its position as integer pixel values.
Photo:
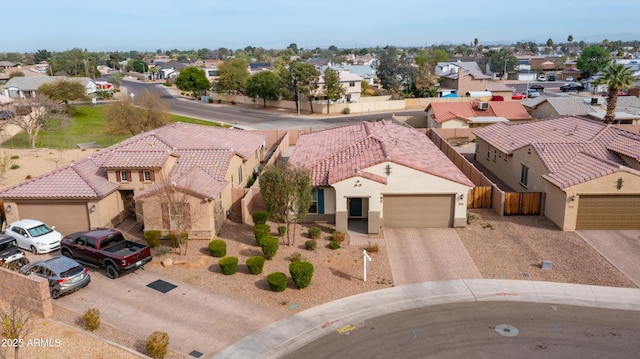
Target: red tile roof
(465, 110)
(204, 153)
(572, 149)
(336, 154)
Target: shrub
(157, 344)
(183, 237)
(277, 281)
(15, 166)
(210, 100)
(334, 245)
(310, 245)
(314, 232)
(28, 177)
(296, 257)
(233, 102)
(91, 319)
(372, 248)
(259, 217)
(269, 246)
(282, 230)
(219, 101)
(255, 264)
(301, 273)
(15, 157)
(261, 230)
(250, 181)
(346, 110)
(228, 265)
(218, 248)
(338, 236)
(173, 238)
(152, 237)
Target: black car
(572, 86)
(537, 87)
(6, 114)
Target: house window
(124, 176)
(495, 154)
(352, 84)
(257, 154)
(524, 175)
(488, 151)
(146, 176)
(314, 201)
(240, 175)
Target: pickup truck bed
(124, 249)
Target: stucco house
(27, 87)
(472, 114)
(180, 170)
(383, 174)
(627, 108)
(588, 172)
(351, 83)
(461, 77)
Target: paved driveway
(427, 254)
(621, 248)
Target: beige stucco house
(588, 172)
(627, 108)
(179, 175)
(381, 174)
(461, 78)
(473, 114)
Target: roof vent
(483, 106)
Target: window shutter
(165, 215)
(118, 179)
(141, 176)
(153, 175)
(320, 201)
(129, 178)
(186, 213)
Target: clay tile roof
(136, 159)
(444, 111)
(626, 145)
(339, 153)
(584, 167)
(213, 163)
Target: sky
(143, 25)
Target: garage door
(68, 217)
(417, 211)
(608, 212)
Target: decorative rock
(167, 262)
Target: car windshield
(40, 230)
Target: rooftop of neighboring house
(340, 153)
(573, 150)
(450, 69)
(364, 71)
(203, 154)
(28, 83)
(580, 106)
(468, 110)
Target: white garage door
(417, 211)
(68, 217)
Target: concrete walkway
(298, 330)
(620, 248)
(427, 254)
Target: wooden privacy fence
(479, 197)
(516, 203)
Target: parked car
(64, 275)
(532, 93)
(518, 96)
(106, 248)
(11, 257)
(542, 78)
(537, 87)
(551, 77)
(572, 86)
(34, 236)
(7, 115)
(569, 79)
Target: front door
(355, 207)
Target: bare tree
(15, 324)
(5, 163)
(38, 111)
(147, 113)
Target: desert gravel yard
(508, 247)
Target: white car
(569, 78)
(542, 78)
(34, 236)
(532, 93)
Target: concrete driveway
(427, 254)
(621, 248)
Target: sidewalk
(298, 330)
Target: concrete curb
(298, 330)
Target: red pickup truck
(106, 248)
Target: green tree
(41, 55)
(300, 77)
(64, 91)
(437, 55)
(502, 61)
(233, 76)
(264, 84)
(74, 62)
(333, 89)
(592, 60)
(286, 191)
(116, 79)
(387, 70)
(616, 77)
(193, 79)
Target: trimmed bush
(228, 265)
(269, 246)
(157, 344)
(261, 230)
(296, 257)
(372, 248)
(15, 166)
(91, 319)
(173, 238)
(219, 101)
(346, 110)
(152, 237)
(334, 245)
(277, 281)
(310, 245)
(255, 264)
(338, 236)
(301, 273)
(282, 230)
(218, 248)
(259, 217)
(314, 232)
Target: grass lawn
(86, 125)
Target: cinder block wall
(30, 292)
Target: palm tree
(617, 77)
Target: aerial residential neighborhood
(315, 201)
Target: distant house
(589, 172)
(472, 114)
(382, 174)
(351, 83)
(461, 77)
(367, 73)
(627, 108)
(256, 67)
(27, 87)
(169, 70)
